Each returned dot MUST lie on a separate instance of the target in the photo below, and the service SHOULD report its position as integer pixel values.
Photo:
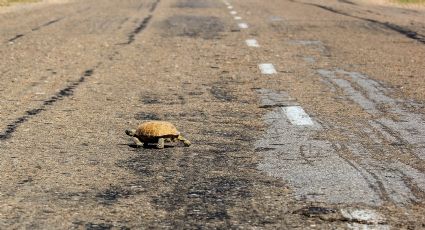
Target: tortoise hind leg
(184, 140)
(161, 143)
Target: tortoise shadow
(134, 146)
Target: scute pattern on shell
(157, 129)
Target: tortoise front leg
(137, 142)
(161, 143)
(184, 140)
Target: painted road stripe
(233, 12)
(267, 68)
(230, 7)
(297, 115)
(243, 25)
(252, 43)
(238, 18)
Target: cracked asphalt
(303, 114)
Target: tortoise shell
(154, 129)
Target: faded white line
(252, 43)
(230, 7)
(297, 116)
(267, 68)
(238, 18)
(233, 12)
(310, 165)
(243, 25)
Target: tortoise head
(130, 132)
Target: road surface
(303, 114)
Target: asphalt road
(303, 114)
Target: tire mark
(142, 25)
(140, 6)
(413, 186)
(62, 94)
(379, 188)
(36, 28)
(47, 24)
(347, 2)
(123, 22)
(16, 37)
(138, 29)
(401, 30)
(154, 5)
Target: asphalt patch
(206, 27)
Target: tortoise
(158, 132)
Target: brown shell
(156, 129)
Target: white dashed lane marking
(243, 25)
(233, 12)
(230, 7)
(297, 116)
(252, 43)
(267, 68)
(238, 18)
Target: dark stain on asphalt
(234, 134)
(112, 194)
(100, 226)
(196, 4)
(313, 211)
(206, 27)
(221, 94)
(150, 100)
(172, 99)
(207, 199)
(193, 116)
(97, 226)
(62, 94)
(402, 30)
(146, 116)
